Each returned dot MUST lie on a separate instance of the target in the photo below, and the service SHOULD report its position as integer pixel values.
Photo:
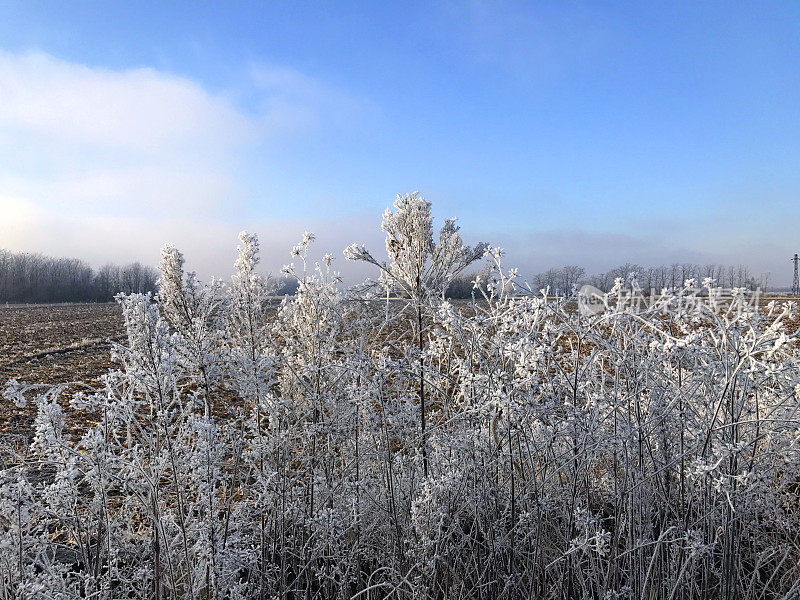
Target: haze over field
(567, 133)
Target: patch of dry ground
(53, 343)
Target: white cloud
(140, 110)
(108, 164)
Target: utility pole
(796, 281)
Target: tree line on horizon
(651, 280)
(27, 277)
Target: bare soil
(53, 343)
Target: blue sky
(588, 133)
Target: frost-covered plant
(419, 269)
(244, 447)
(197, 314)
(247, 339)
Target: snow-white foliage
(417, 266)
(245, 448)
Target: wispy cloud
(599, 252)
(530, 41)
(292, 100)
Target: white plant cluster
(244, 450)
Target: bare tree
(26, 277)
